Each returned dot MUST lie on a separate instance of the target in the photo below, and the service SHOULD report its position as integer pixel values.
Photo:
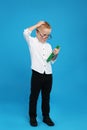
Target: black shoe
(33, 121)
(48, 121)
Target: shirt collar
(39, 41)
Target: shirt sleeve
(27, 35)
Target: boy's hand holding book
(56, 51)
(54, 54)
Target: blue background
(68, 19)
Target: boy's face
(43, 34)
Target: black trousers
(43, 83)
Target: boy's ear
(36, 31)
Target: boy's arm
(28, 31)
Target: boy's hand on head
(40, 23)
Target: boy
(41, 79)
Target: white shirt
(39, 53)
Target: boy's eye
(43, 35)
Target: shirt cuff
(27, 31)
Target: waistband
(33, 71)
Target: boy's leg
(35, 90)
(46, 89)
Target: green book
(52, 55)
